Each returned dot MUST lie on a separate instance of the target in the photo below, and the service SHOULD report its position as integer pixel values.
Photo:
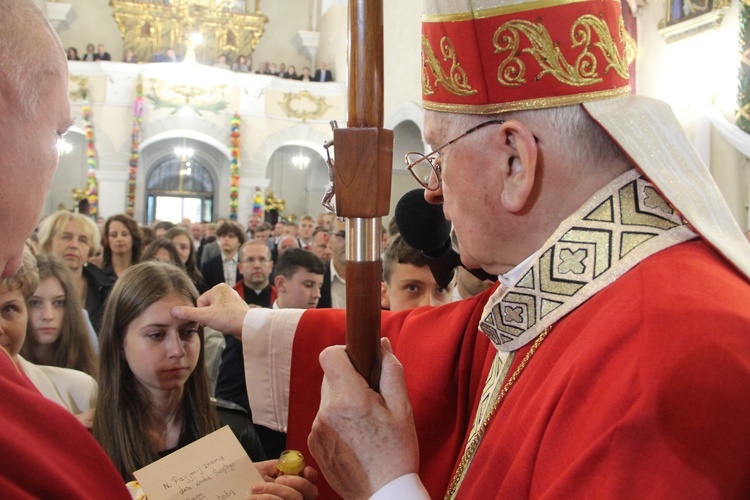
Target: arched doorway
(299, 176)
(180, 187)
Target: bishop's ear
(518, 164)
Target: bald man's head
(25, 36)
(34, 114)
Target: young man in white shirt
(299, 276)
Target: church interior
(196, 139)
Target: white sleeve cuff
(406, 487)
(267, 339)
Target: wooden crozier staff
(362, 178)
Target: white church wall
(698, 75)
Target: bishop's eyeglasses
(426, 168)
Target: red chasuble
(643, 391)
(44, 451)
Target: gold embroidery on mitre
(512, 71)
(581, 35)
(520, 105)
(456, 82)
(630, 47)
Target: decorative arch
(189, 125)
(406, 123)
(410, 111)
(212, 154)
(303, 135)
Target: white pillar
(314, 16)
(307, 43)
(113, 187)
(60, 15)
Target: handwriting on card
(214, 467)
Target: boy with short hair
(306, 228)
(407, 281)
(299, 276)
(223, 268)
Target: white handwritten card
(214, 467)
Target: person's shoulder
(680, 299)
(43, 435)
(70, 388)
(691, 272)
(68, 375)
(229, 408)
(103, 277)
(214, 260)
(68, 380)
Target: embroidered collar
(622, 224)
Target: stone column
(113, 187)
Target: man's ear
(518, 163)
(279, 282)
(385, 301)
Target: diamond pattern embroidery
(588, 251)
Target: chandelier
(300, 161)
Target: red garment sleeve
(44, 451)
(444, 369)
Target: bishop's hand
(360, 439)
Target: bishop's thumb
(392, 382)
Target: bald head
(26, 35)
(34, 113)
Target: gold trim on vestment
(541, 103)
(622, 224)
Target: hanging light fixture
(301, 161)
(183, 152)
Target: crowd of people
(88, 285)
(98, 53)
(245, 65)
(242, 64)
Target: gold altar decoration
(273, 203)
(79, 194)
(153, 26)
(175, 96)
(303, 105)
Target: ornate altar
(153, 26)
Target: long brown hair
(122, 402)
(73, 348)
(135, 233)
(150, 252)
(191, 267)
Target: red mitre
(522, 55)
